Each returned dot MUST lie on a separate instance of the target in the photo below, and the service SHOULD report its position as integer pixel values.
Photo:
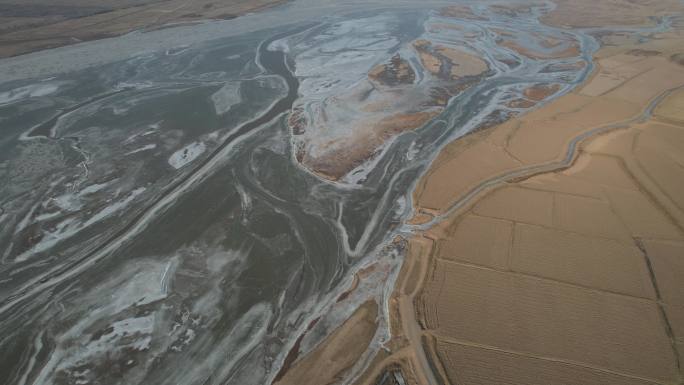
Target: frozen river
(157, 224)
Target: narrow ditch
(659, 301)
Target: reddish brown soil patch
(540, 92)
(448, 63)
(510, 10)
(430, 62)
(571, 51)
(337, 353)
(296, 121)
(293, 354)
(459, 11)
(336, 164)
(396, 72)
(643, 52)
(520, 103)
(678, 58)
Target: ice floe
(226, 97)
(186, 154)
(141, 149)
(29, 91)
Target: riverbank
(33, 26)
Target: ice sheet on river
(161, 220)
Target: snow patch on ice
(279, 45)
(71, 226)
(412, 151)
(93, 188)
(29, 91)
(226, 97)
(186, 154)
(143, 148)
(68, 202)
